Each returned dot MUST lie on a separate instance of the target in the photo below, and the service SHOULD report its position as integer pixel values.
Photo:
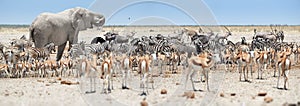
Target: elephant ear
(77, 19)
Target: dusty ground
(225, 87)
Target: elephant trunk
(100, 20)
(75, 39)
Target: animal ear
(77, 19)
(4, 49)
(48, 45)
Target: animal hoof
(87, 92)
(143, 94)
(124, 87)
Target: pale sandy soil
(49, 91)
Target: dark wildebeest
(98, 40)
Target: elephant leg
(60, 51)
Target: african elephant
(62, 27)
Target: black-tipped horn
(227, 29)
(272, 28)
(200, 30)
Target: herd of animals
(117, 54)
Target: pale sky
(155, 12)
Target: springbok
(262, 61)
(296, 53)
(244, 61)
(284, 65)
(162, 59)
(106, 73)
(4, 67)
(287, 52)
(144, 68)
(229, 59)
(20, 69)
(88, 70)
(50, 68)
(203, 62)
(174, 60)
(126, 70)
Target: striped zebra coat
(40, 53)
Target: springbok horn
(210, 30)
(227, 29)
(200, 30)
(272, 29)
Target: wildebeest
(97, 40)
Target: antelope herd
(116, 54)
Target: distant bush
(13, 26)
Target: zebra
(41, 53)
(280, 36)
(162, 46)
(95, 48)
